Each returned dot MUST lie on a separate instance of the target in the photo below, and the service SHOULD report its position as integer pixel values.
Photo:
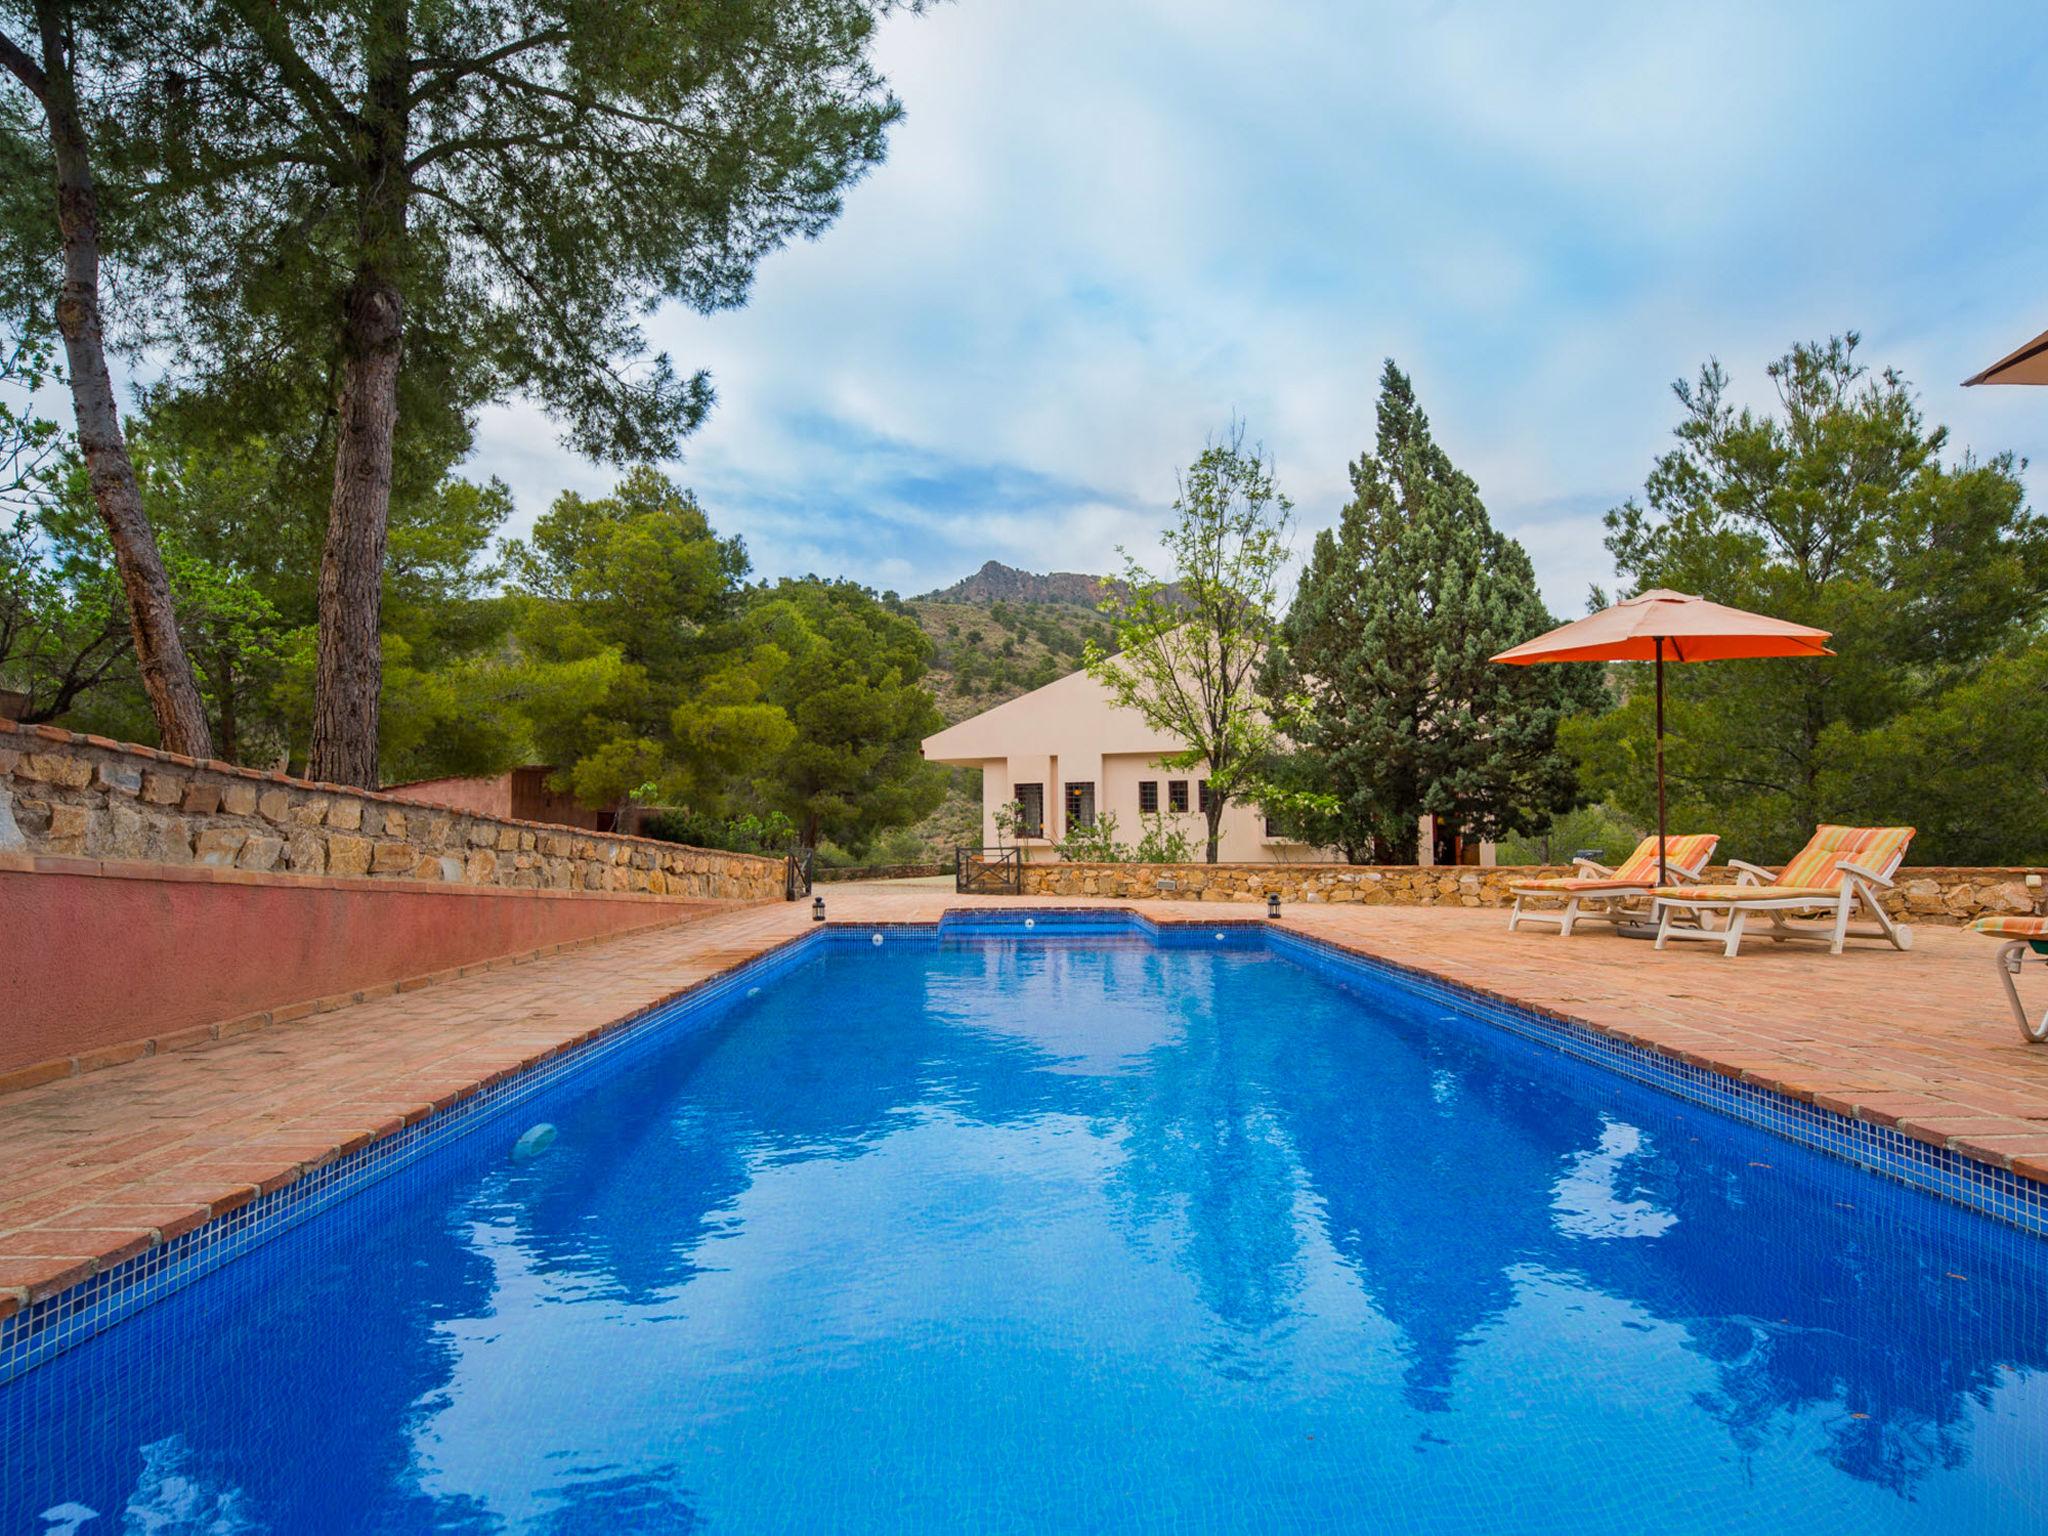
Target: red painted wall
(489, 795)
(520, 794)
(97, 959)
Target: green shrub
(1162, 842)
(899, 845)
(1599, 831)
(1093, 844)
(771, 833)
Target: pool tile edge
(88, 1295)
(80, 1299)
(1949, 1171)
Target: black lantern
(1272, 903)
(817, 909)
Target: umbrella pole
(1663, 873)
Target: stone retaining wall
(1921, 894)
(87, 797)
(822, 876)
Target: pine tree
(1385, 682)
(1842, 507)
(403, 212)
(51, 76)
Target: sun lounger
(1836, 878)
(2028, 938)
(1611, 895)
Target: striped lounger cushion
(1637, 871)
(1816, 870)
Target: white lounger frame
(2012, 958)
(1617, 913)
(1858, 896)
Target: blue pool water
(1075, 1233)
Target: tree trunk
(1215, 816)
(349, 671)
(159, 649)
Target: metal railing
(796, 877)
(988, 871)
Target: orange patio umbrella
(2026, 364)
(1661, 624)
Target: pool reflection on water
(1081, 1234)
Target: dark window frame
(1029, 824)
(1202, 796)
(1070, 802)
(1148, 797)
(1177, 796)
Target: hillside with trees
(990, 644)
(995, 635)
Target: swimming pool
(1076, 1230)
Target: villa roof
(1071, 714)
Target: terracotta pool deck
(96, 1168)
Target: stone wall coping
(1933, 892)
(1906, 871)
(315, 786)
(846, 872)
(211, 874)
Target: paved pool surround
(133, 1173)
(236, 898)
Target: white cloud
(1105, 230)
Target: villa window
(1273, 829)
(1080, 805)
(1148, 796)
(1030, 810)
(1203, 795)
(1176, 794)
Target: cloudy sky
(1107, 226)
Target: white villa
(1068, 752)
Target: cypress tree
(1385, 682)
